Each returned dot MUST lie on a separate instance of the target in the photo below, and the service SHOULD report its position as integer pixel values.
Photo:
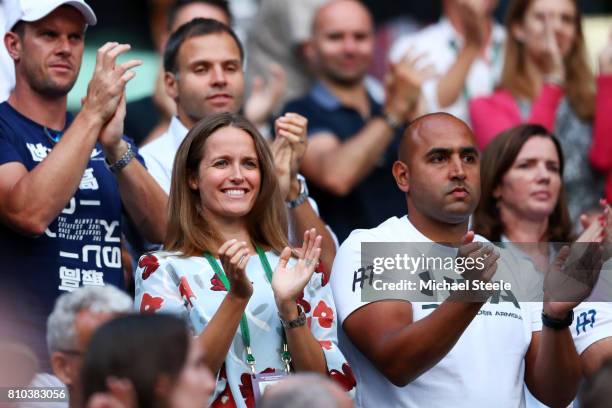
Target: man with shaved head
(353, 138)
(424, 351)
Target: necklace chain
(53, 135)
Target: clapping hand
(598, 229)
(265, 95)
(105, 97)
(550, 56)
(294, 128)
(289, 282)
(234, 256)
(575, 271)
(281, 154)
(473, 16)
(288, 149)
(481, 267)
(404, 83)
(571, 278)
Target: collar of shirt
(177, 131)
(552, 252)
(446, 30)
(328, 101)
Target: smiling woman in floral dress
(258, 307)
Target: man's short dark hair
(195, 28)
(223, 5)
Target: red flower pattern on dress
(344, 378)
(303, 302)
(149, 263)
(225, 399)
(326, 344)
(186, 292)
(246, 387)
(150, 304)
(325, 315)
(217, 285)
(321, 268)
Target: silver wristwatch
(302, 196)
(297, 322)
(123, 161)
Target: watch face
(302, 196)
(303, 185)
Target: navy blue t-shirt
(377, 197)
(82, 246)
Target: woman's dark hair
(139, 348)
(497, 159)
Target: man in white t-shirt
(450, 353)
(466, 48)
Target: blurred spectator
(19, 364)
(60, 204)
(243, 12)
(226, 203)
(7, 69)
(353, 140)
(74, 319)
(547, 80)
(306, 391)
(155, 363)
(465, 47)
(158, 20)
(601, 150)
(148, 117)
(278, 37)
(203, 75)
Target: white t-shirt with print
(484, 369)
(592, 322)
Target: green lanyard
(244, 325)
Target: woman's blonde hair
(580, 81)
(188, 230)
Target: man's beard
(343, 80)
(50, 89)
(47, 87)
